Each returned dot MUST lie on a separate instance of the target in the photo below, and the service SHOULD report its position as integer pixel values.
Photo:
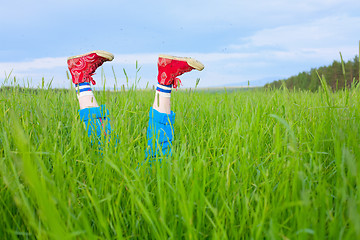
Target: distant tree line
(334, 75)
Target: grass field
(246, 165)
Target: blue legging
(160, 130)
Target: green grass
(245, 165)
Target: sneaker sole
(192, 62)
(104, 54)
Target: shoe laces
(176, 81)
(92, 72)
(91, 78)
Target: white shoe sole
(104, 54)
(192, 62)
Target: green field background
(257, 164)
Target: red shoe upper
(169, 69)
(82, 68)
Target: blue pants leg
(96, 122)
(160, 134)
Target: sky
(238, 41)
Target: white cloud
(320, 39)
(40, 63)
(322, 32)
(219, 68)
(126, 59)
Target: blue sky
(238, 41)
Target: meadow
(259, 164)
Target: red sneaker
(82, 67)
(171, 67)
